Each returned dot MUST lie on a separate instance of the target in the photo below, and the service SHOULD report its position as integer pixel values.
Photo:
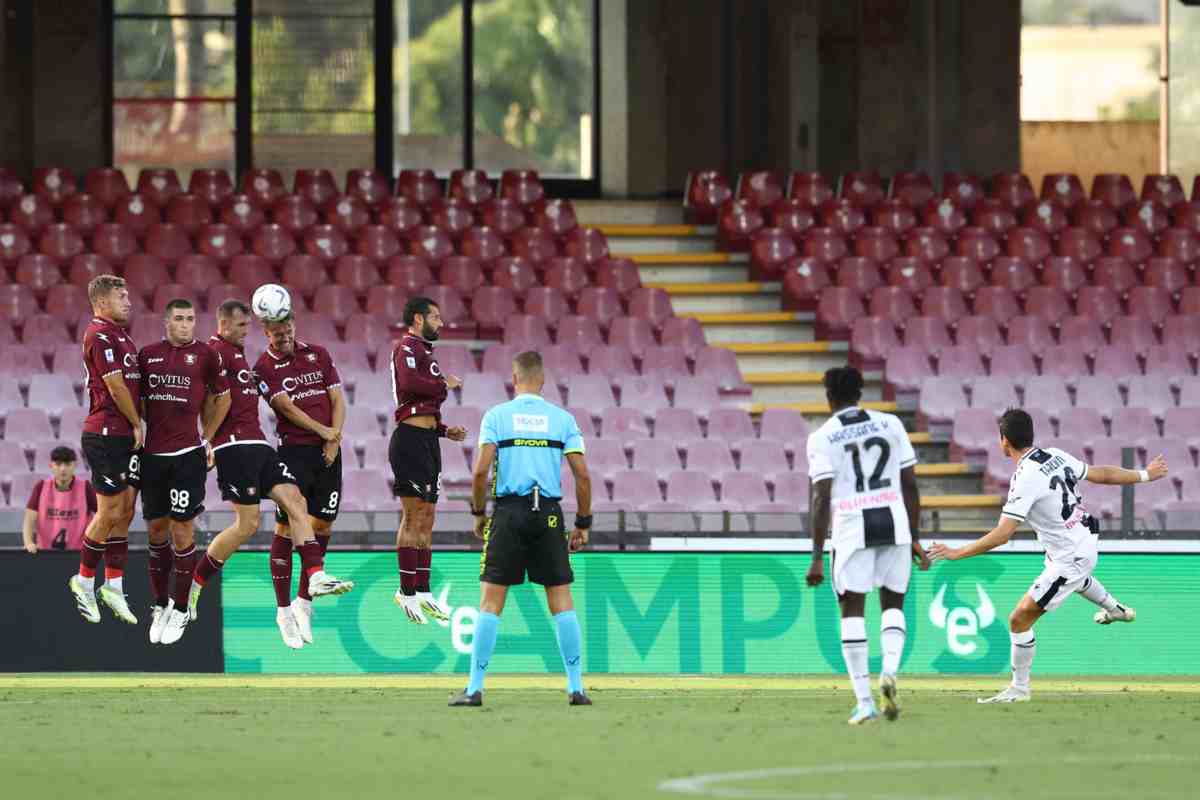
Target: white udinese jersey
(863, 452)
(1042, 493)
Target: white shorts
(865, 570)
(1061, 579)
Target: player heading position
(249, 469)
(864, 487)
(527, 439)
(182, 377)
(1043, 493)
(419, 389)
(300, 381)
(112, 433)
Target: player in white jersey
(864, 485)
(1043, 493)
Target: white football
(271, 303)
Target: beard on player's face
(428, 332)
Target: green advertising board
(718, 613)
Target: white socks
(891, 638)
(1094, 591)
(1023, 647)
(854, 650)
(89, 584)
(116, 584)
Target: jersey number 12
(877, 480)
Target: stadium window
(173, 85)
(313, 85)
(428, 91)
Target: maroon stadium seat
(1096, 218)
(1148, 216)
(454, 311)
(930, 334)
(914, 189)
(335, 302)
(895, 216)
(135, 214)
(841, 216)
(1186, 216)
(1132, 425)
(944, 303)
(1183, 331)
(1049, 218)
(1130, 244)
(264, 186)
(995, 393)
(651, 304)
(1114, 190)
(1048, 394)
(1134, 333)
(547, 303)
(491, 307)
(168, 241)
(837, 309)
(273, 242)
(503, 215)
(106, 184)
(11, 188)
(994, 217)
(980, 332)
(762, 189)
(32, 213)
(1013, 189)
(606, 458)
(804, 279)
(387, 302)
(144, 272)
(1015, 274)
(715, 457)
(86, 266)
(347, 213)
(613, 361)
(871, 339)
(1067, 360)
(810, 188)
(718, 365)
(976, 244)
(1183, 424)
(945, 215)
(770, 250)
(523, 186)
(197, 272)
(633, 333)
(1048, 302)
(556, 217)
(367, 186)
(905, 369)
(46, 331)
(589, 245)
(1179, 244)
(825, 246)
(1079, 244)
(295, 213)
(1012, 360)
(409, 273)
(1189, 300)
(60, 242)
(862, 188)
(304, 272)
(213, 185)
(793, 217)
(1165, 189)
(963, 274)
(534, 244)
(734, 425)
(1166, 273)
(471, 185)
(1152, 302)
(220, 242)
(619, 274)
(860, 274)
(158, 186)
(166, 292)
(483, 244)
(1065, 189)
(357, 272)
(215, 295)
(16, 302)
(14, 243)
(462, 273)
(514, 272)
(1164, 360)
(315, 185)
(960, 361)
(401, 216)
(704, 193)
(1150, 393)
(889, 302)
(1115, 361)
(369, 330)
(83, 212)
(1085, 332)
(603, 305)
(1114, 273)
(927, 245)
(68, 301)
(54, 184)
(1030, 245)
(676, 424)
(567, 274)
(665, 361)
(996, 302)
(876, 244)
(737, 220)
(634, 489)
(580, 333)
(764, 459)
(420, 186)
(939, 398)
(375, 242)
(249, 271)
(453, 216)
(1064, 272)
(909, 273)
(646, 394)
(427, 241)
(685, 332)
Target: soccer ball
(271, 303)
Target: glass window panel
(534, 76)
(314, 85)
(428, 92)
(173, 94)
(1184, 127)
(174, 7)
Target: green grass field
(780, 738)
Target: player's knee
(322, 527)
(1019, 621)
(182, 534)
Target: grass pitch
(776, 738)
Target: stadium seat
(825, 246)
(589, 245)
(196, 272)
(737, 221)
(592, 392)
(359, 273)
(1130, 244)
(1064, 272)
(380, 244)
(1085, 332)
(1147, 216)
(215, 295)
(804, 282)
(32, 214)
(400, 216)
(327, 243)
(895, 216)
(977, 245)
(366, 186)
(1114, 190)
(1065, 361)
(263, 186)
(158, 186)
(1091, 392)
(556, 217)
(83, 212)
(1166, 361)
(913, 189)
(944, 303)
(1064, 189)
(1150, 393)
(909, 273)
(836, 311)
(1048, 394)
(1186, 216)
(1116, 361)
(859, 274)
(547, 303)
(273, 242)
(762, 189)
(567, 274)
(668, 362)
(871, 339)
(1183, 424)
(694, 488)
(534, 244)
(1189, 300)
(452, 216)
(470, 185)
(963, 274)
(930, 334)
(945, 215)
(1050, 219)
(703, 194)
(876, 244)
(926, 245)
(744, 491)
(1028, 244)
(1048, 302)
(484, 391)
(1134, 333)
(420, 186)
(994, 217)
(524, 186)
(765, 458)
(651, 304)
(1166, 273)
(165, 293)
(514, 273)
(1014, 274)
(105, 184)
(889, 302)
(906, 367)
(1132, 425)
(562, 360)
(994, 393)
(387, 302)
(86, 266)
(712, 456)
(249, 271)
(612, 361)
(491, 308)
(52, 394)
(60, 242)
(685, 332)
(733, 424)
(792, 216)
(484, 244)
(304, 273)
(770, 250)
(211, 185)
(1012, 188)
(14, 243)
(144, 272)
(1179, 245)
(54, 184)
(1012, 361)
(1096, 217)
(862, 188)
(959, 361)
(504, 215)
(461, 273)
(810, 188)
(841, 216)
(336, 302)
(635, 489)
(633, 333)
(347, 213)
(643, 393)
(716, 365)
(411, 274)
(220, 242)
(68, 301)
(315, 185)
(46, 331)
(619, 274)
(974, 434)
(1152, 302)
(295, 213)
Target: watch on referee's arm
(583, 522)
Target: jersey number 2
(877, 480)
(1067, 484)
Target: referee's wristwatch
(583, 522)
(479, 512)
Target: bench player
(1043, 492)
(864, 486)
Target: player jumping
(249, 469)
(1043, 493)
(863, 479)
(419, 388)
(112, 435)
(300, 381)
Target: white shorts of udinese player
(868, 569)
(1061, 579)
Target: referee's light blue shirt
(531, 437)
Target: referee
(527, 438)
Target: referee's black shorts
(518, 540)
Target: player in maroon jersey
(180, 378)
(300, 381)
(112, 433)
(248, 470)
(419, 388)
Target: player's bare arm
(284, 405)
(820, 515)
(456, 434)
(27, 532)
(123, 399)
(912, 504)
(479, 481)
(583, 498)
(1119, 476)
(337, 402)
(212, 414)
(997, 536)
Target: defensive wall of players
(641, 612)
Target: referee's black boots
(579, 699)
(464, 699)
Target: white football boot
(117, 604)
(887, 688)
(864, 713)
(411, 606)
(1119, 614)
(321, 584)
(302, 613)
(1012, 694)
(176, 624)
(431, 607)
(158, 619)
(85, 599)
(288, 629)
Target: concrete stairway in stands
(776, 349)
